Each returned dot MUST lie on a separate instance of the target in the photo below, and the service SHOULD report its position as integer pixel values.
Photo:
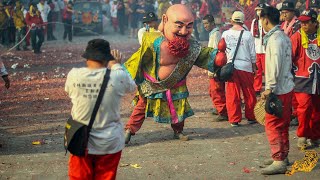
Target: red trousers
(240, 81)
(277, 129)
(308, 112)
(294, 105)
(258, 77)
(94, 167)
(138, 116)
(217, 92)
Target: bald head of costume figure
(177, 27)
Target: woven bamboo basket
(260, 112)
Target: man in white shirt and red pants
(217, 90)
(258, 33)
(279, 81)
(306, 60)
(243, 75)
(106, 138)
(290, 26)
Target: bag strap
(99, 99)
(238, 44)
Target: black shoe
(214, 111)
(250, 121)
(181, 136)
(18, 49)
(221, 118)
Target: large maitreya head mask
(177, 27)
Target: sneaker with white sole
(234, 124)
(268, 162)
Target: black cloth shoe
(214, 111)
(250, 121)
(221, 118)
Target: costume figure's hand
(254, 69)
(117, 55)
(265, 94)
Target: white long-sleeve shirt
(278, 64)
(44, 10)
(82, 86)
(260, 49)
(246, 54)
(214, 38)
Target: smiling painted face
(177, 27)
(178, 22)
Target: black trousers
(67, 29)
(4, 34)
(50, 35)
(34, 33)
(121, 20)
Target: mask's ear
(163, 21)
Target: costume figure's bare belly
(167, 62)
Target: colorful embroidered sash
(173, 112)
(147, 88)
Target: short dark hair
(272, 14)
(209, 18)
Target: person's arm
(214, 40)
(140, 35)
(273, 67)
(48, 9)
(126, 83)
(295, 41)
(4, 75)
(252, 52)
(206, 59)
(252, 26)
(69, 82)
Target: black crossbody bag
(224, 73)
(77, 134)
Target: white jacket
(44, 10)
(278, 64)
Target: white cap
(238, 16)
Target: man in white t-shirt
(245, 68)
(258, 34)
(150, 22)
(106, 139)
(217, 90)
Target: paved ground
(37, 109)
